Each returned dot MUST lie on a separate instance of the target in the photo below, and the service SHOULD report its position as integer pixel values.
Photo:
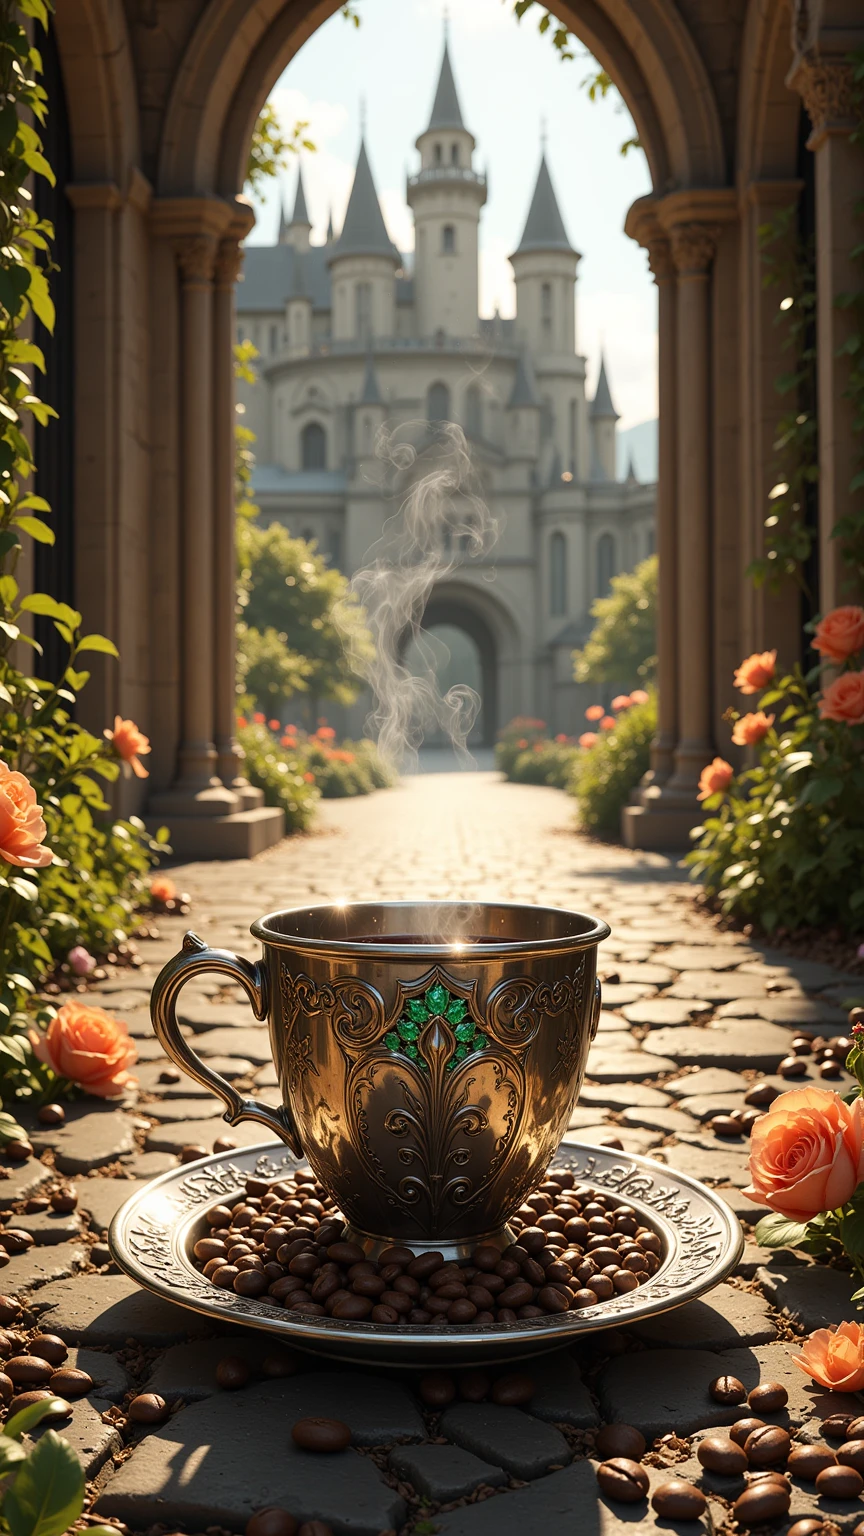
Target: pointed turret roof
(524, 390)
(446, 111)
(331, 233)
(300, 216)
(632, 477)
(544, 227)
(601, 406)
(371, 388)
(364, 232)
(282, 238)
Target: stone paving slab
(49, 1227)
(443, 1472)
(101, 1199)
(561, 1396)
(727, 1317)
(253, 1043)
(178, 1134)
(22, 1179)
(717, 1166)
(507, 1437)
(111, 1309)
(632, 1139)
(706, 1080)
(26, 1271)
(665, 1011)
(666, 1121)
(707, 957)
(216, 1464)
(814, 1296)
(89, 1139)
(91, 1439)
(615, 1096)
(754, 1044)
(624, 1066)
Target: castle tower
(363, 265)
(604, 418)
(446, 196)
(544, 266)
(296, 230)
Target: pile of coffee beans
(284, 1243)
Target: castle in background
(353, 337)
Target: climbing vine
(850, 529)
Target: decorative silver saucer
(152, 1235)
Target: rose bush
(782, 844)
(807, 1153)
(89, 1048)
(612, 765)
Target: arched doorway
(456, 648)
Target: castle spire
(446, 111)
(602, 408)
(283, 222)
(364, 232)
(544, 227)
(300, 215)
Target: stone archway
(162, 108)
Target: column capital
(660, 258)
(694, 247)
(196, 258)
(229, 260)
(827, 88)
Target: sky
(511, 83)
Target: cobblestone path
(691, 1017)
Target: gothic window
(363, 310)
(448, 240)
(313, 447)
(438, 403)
(274, 337)
(473, 412)
(308, 535)
(439, 154)
(334, 548)
(558, 575)
(574, 424)
(546, 311)
(650, 542)
(605, 563)
(454, 154)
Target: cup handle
(595, 1013)
(194, 958)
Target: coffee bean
(437, 1389)
(346, 1254)
(724, 1125)
(401, 1256)
(315, 1528)
(854, 1429)
(70, 1383)
(615, 1440)
(839, 1483)
(474, 1386)
(512, 1391)
(271, 1522)
(40, 1395)
(810, 1527)
(719, 1454)
(801, 1045)
(18, 1151)
(769, 1397)
(48, 1347)
(7, 1388)
(191, 1153)
(727, 1389)
(462, 1311)
(623, 1480)
(836, 1427)
(677, 1499)
(760, 1503)
(29, 1371)
(147, 1408)
(766, 1446)
(807, 1461)
(851, 1454)
(761, 1094)
(831, 1068)
(352, 1309)
(322, 1435)
(278, 1365)
(742, 1428)
(52, 1114)
(792, 1066)
(224, 1144)
(232, 1373)
(15, 1241)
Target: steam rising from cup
(441, 523)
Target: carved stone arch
(237, 53)
(101, 93)
(768, 110)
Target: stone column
(664, 743)
(826, 88)
(693, 248)
(228, 755)
(198, 790)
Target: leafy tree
(270, 149)
(598, 82)
(622, 645)
(287, 587)
(267, 671)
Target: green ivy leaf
(49, 608)
(98, 643)
(28, 1418)
(776, 1231)
(36, 529)
(48, 1491)
(37, 293)
(10, 1454)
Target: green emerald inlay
(411, 1051)
(437, 998)
(408, 1030)
(456, 1010)
(461, 1052)
(416, 1009)
(392, 1041)
(480, 1043)
(465, 1032)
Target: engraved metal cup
(429, 1055)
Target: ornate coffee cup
(429, 1056)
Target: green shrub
(605, 775)
(517, 737)
(783, 845)
(547, 762)
(281, 772)
(623, 643)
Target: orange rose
(588, 739)
(715, 778)
(595, 712)
(622, 701)
(843, 699)
(608, 723)
(756, 672)
(162, 889)
(834, 1357)
(807, 1153)
(21, 826)
(89, 1047)
(128, 742)
(840, 634)
(751, 729)
(639, 696)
